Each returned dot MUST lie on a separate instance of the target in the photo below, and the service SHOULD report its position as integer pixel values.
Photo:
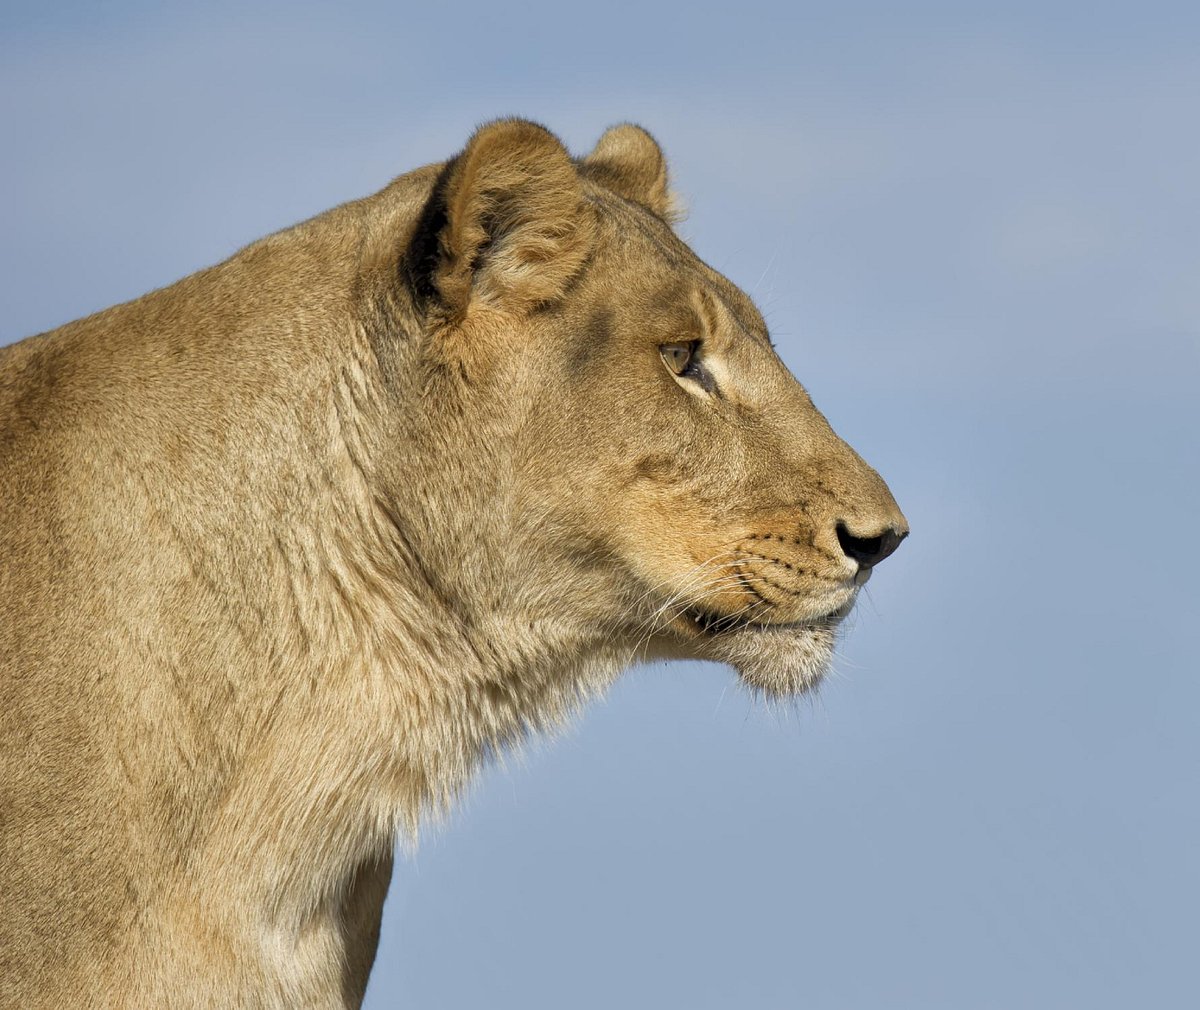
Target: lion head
(642, 471)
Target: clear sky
(975, 232)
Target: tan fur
(288, 547)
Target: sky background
(974, 230)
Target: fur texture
(288, 547)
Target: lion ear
(512, 226)
(628, 160)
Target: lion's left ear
(629, 161)
(512, 228)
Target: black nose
(869, 551)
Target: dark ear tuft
(506, 226)
(423, 254)
(629, 161)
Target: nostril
(862, 549)
(868, 551)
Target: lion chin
(778, 661)
(774, 659)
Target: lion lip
(712, 624)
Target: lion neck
(374, 671)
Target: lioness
(287, 547)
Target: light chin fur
(777, 661)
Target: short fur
(288, 547)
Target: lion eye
(679, 357)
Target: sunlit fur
(288, 547)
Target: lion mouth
(712, 625)
(708, 623)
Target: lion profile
(288, 546)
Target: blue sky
(975, 233)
